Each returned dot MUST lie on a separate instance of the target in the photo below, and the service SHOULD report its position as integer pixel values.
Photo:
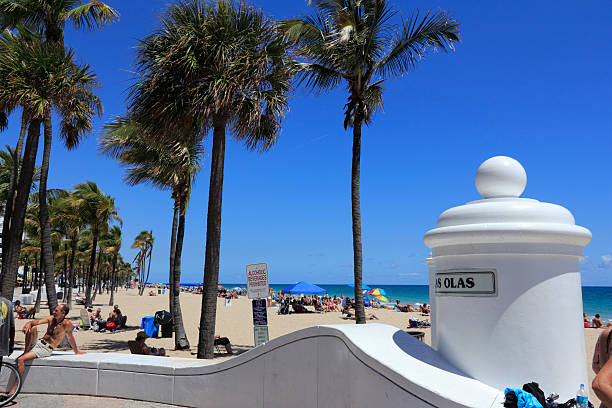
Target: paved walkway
(78, 401)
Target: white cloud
(606, 262)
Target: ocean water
(595, 299)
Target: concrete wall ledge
(322, 366)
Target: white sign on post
(260, 335)
(257, 281)
(466, 283)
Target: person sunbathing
(23, 311)
(224, 341)
(18, 308)
(142, 348)
(298, 308)
(400, 307)
(424, 309)
(597, 323)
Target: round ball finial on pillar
(501, 176)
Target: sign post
(257, 289)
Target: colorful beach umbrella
(377, 291)
(381, 298)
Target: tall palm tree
(72, 222)
(41, 78)
(355, 43)
(114, 245)
(50, 17)
(170, 165)
(212, 65)
(98, 210)
(144, 243)
(8, 211)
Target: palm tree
(355, 43)
(98, 210)
(212, 65)
(41, 78)
(172, 166)
(49, 17)
(32, 245)
(114, 245)
(14, 174)
(144, 243)
(72, 223)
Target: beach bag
(534, 389)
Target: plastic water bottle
(582, 398)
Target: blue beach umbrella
(303, 287)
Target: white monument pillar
(508, 300)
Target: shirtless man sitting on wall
(58, 328)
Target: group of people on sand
(112, 323)
(596, 323)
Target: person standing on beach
(602, 383)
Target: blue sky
(530, 80)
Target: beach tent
(303, 287)
(364, 286)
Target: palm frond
(94, 14)
(434, 31)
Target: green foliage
(40, 77)
(50, 16)
(165, 164)
(356, 42)
(212, 62)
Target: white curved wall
(353, 366)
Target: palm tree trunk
(148, 268)
(41, 272)
(112, 291)
(356, 207)
(19, 210)
(8, 208)
(92, 264)
(24, 284)
(73, 244)
(64, 281)
(98, 277)
(99, 274)
(172, 251)
(43, 215)
(180, 337)
(213, 245)
(35, 278)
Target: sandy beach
(234, 322)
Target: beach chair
(85, 319)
